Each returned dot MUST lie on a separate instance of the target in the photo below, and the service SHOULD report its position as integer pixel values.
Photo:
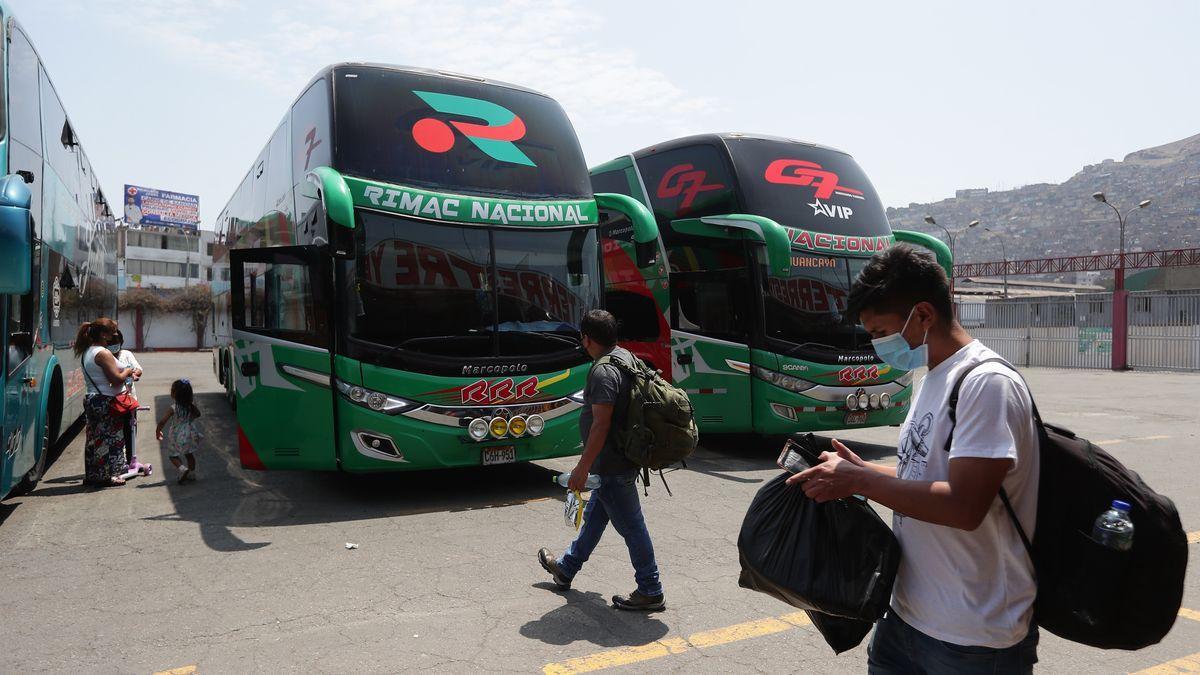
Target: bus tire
(50, 431)
(230, 382)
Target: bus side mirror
(646, 253)
(16, 235)
(341, 243)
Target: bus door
(20, 391)
(281, 328)
(711, 319)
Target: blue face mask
(895, 351)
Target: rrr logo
(500, 391)
(858, 374)
(495, 139)
(686, 180)
(800, 172)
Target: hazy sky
(929, 96)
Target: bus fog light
(498, 427)
(863, 401)
(517, 426)
(785, 411)
(376, 401)
(535, 424)
(874, 400)
(478, 428)
(885, 401)
(852, 402)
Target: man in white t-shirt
(963, 599)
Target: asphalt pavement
(247, 571)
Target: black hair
(97, 332)
(898, 278)
(181, 393)
(600, 326)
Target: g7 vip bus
(408, 261)
(761, 238)
(57, 261)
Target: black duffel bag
(837, 558)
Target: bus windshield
(452, 290)
(454, 135)
(807, 187)
(807, 307)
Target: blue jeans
(616, 500)
(897, 647)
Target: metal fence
(1076, 332)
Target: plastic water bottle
(593, 481)
(1114, 529)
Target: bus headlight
(536, 424)
(874, 400)
(498, 427)
(852, 402)
(885, 400)
(517, 426)
(374, 400)
(782, 381)
(478, 429)
(864, 401)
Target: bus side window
(637, 315)
(277, 298)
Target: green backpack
(658, 429)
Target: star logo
(818, 208)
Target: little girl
(182, 434)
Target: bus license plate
(504, 454)
(856, 417)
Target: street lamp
(1119, 274)
(1120, 314)
(1004, 249)
(950, 234)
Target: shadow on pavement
(587, 617)
(225, 496)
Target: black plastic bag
(838, 558)
(839, 632)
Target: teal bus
(743, 307)
(58, 264)
(401, 274)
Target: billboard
(148, 206)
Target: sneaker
(550, 564)
(183, 475)
(640, 603)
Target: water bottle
(1113, 528)
(593, 481)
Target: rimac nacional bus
(58, 263)
(408, 260)
(761, 238)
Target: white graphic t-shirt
(969, 588)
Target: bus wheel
(230, 384)
(30, 480)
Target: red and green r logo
(495, 138)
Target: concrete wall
(172, 331)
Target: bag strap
(952, 404)
(83, 365)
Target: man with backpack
(605, 403)
(963, 596)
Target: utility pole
(1003, 249)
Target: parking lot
(249, 571)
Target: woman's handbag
(122, 404)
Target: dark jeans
(616, 501)
(897, 647)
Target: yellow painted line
(1187, 664)
(655, 650)
(1115, 441)
(1194, 537)
(542, 384)
(184, 670)
(1189, 614)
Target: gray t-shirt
(607, 384)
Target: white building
(162, 258)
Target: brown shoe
(637, 602)
(550, 564)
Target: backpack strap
(952, 404)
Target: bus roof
(432, 72)
(721, 137)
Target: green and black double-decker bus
(402, 275)
(761, 238)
